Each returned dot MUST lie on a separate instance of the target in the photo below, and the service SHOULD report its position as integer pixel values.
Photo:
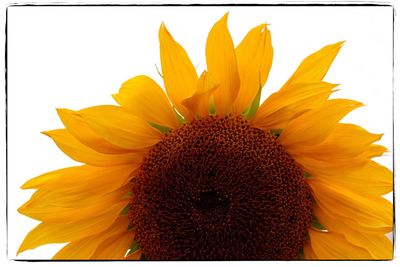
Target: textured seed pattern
(218, 189)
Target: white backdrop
(74, 57)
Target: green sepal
(180, 118)
(300, 255)
(307, 175)
(212, 106)
(161, 128)
(133, 248)
(130, 226)
(159, 73)
(125, 210)
(252, 109)
(276, 132)
(316, 225)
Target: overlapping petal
(120, 127)
(222, 65)
(145, 99)
(47, 233)
(365, 211)
(85, 192)
(315, 66)
(254, 59)
(278, 109)
(114, 247)
(377, 244)
(83, 249)
(199, 103)
(332, 246)
(77, 127)
(81, 153)
(179, 74)
(315, 125)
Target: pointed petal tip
(224, 18)
(46, 133)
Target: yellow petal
(315, 66)
(367, 211)
(333, 246)
(345, 149)
(309, 252)
(254, 59)
(84, 192)
(81, 131)
(114, 248)
(145, 99)
(221, 63)
(278, 109)
(120, 127)
(345, 141)
(199, 103)
(51, 212)
(47, 233)
(324, 168)
(79, 152)
(375, 179)
(83, 249)
(377, 244)
(314, 126)
(42, 179)
(179, 74)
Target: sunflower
(204, 172)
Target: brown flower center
(218, 189)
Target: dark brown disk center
(219, 189)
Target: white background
(74, 57)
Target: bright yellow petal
(377, 244)
(221, 63)
(47, 233)
(333, 246)
(345, 141)
(346, 149)
(145, 99)
(114, 248)
(81, 131)
(42, 179)
(179, 74)
(120, 127)
(199, 103)
(83, 249)
(309, 252)
(284, 105)
(375, 179)
(314, 126)
(84, 192)
(367, 211)
(81, 153)
(254, 59)
(315, 66)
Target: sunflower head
(204, 172)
